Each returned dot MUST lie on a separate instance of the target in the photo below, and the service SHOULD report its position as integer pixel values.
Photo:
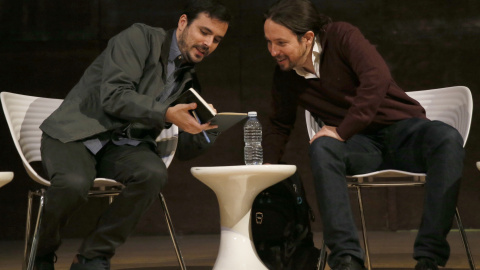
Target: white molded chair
(24, 114)
(451, 105)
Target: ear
(182, 23)
(309, 36)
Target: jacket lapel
(164, 54)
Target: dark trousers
(414, 145)
(72, 169)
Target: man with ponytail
(367, 123)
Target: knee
(446, 140)
(324, 147)
(151, 179)
(73, 186)
(455, 142)
(450, 133)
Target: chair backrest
(24, 114)
(451, 105)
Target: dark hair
(300, 16)
(214, 8)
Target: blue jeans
(415, 145)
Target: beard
(186, 49)
(287, 64)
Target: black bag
(281, 228)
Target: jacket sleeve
(374, 79)
(123, 68)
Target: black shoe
(97, 263)
(347, 262)
(425, 263)
(45, 262)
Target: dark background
(45, 45)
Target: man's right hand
(180, 116)
(328, 131)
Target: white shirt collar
(317, 50)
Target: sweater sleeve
(373, 75)
(282, 118)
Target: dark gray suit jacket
(120, 88)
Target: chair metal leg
(172, 232)
(33, 248)
(323, 257)
(364, 229)
(464, 239)
(27, 229)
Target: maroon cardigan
(355, 93)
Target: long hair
(300, 16)
(214, 8)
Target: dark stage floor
(389, 250)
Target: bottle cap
(252, 114)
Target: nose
(273, 50)
(208, 41)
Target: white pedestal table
(236, 187)
(5, 178)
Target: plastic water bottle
(252, 132)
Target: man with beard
(107, 125)
(368, 123)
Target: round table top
(241, 182)
(5, 178)
(239, 169)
